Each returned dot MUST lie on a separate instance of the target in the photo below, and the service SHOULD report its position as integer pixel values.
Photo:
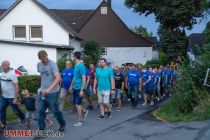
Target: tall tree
(142, 31)
(92, 52)
(172, 15)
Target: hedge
(31, 83)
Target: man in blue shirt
(78, 87)
(147, 85)
(169, 79)
(157, 84)
(66, 77)
(104, 82)
(133, 84)
(153, 75)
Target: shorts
(148, 90)
(103, 96)
(117, 94)
(31, 115)
(77, 100)
(89, 91)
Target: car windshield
(22, 69)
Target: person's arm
(15, 82)
(123, 83)
(55, 83)
(83, 82)
(126, 82)
(71, 86)
(140, 84)
(149, 78)
(88, 80)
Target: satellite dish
(207, 79)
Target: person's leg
(107, 104)
(130, 94)
(151, 92)
(17, 110)
(52, 101)
(145, 95)
(118, 96)
(62, 98)
(90, 96)
(41, 107)
(4, 104)
(136, 95)
(100, 101)
(27, 119)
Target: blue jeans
(3, 107)
(133, 93)
(50, 101)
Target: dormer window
(104, 10)
(36, 33)
(19, 32)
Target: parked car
(23, 70)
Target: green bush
(92, 52)
(153, 63)
(31, 83)
(187, 94)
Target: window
(36, 33)
(19, 32)
(103, 10)
(103, 51)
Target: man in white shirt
(10, 89)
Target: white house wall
(27, 13)
(121, 55)
(26, 56)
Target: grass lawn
(166, 113)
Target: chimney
(109, 2)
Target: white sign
(207, 79)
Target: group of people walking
(110, 85)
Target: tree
(92, 52)
(142, 31)
(173, 16)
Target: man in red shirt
(90, 85)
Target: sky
(130, 18)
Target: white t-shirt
(8, 81)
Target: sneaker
(158, 99)
(22, 122)
(101, 117)
(152, 103)
(62, 128)
(90, 107)
(129, 99)
(27, 124)
(139, 96)
(49, 123)
(109, 115)
(144, 104)
(85, 115)
(118, 109)
(77, 124)
(3, 128)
